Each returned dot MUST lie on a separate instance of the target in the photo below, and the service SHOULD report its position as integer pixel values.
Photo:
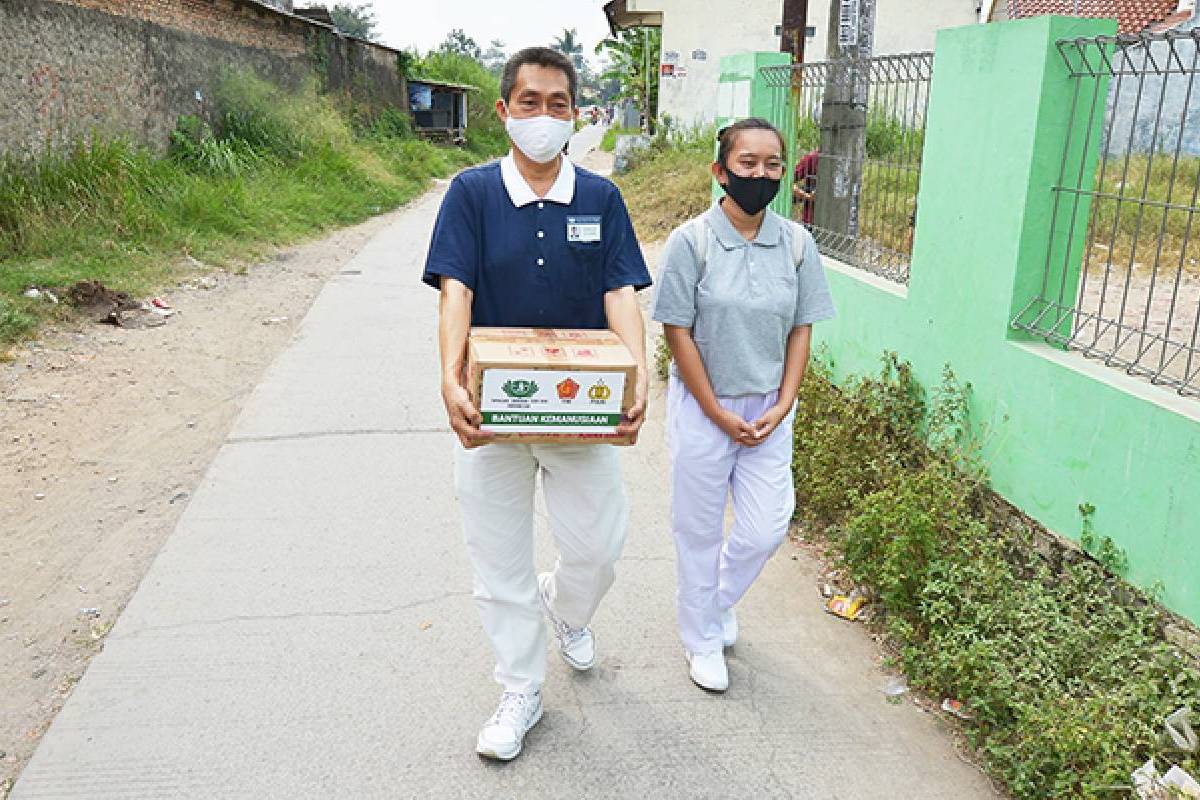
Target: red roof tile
(1132, 15)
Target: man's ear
(717, 171)
(502, 110)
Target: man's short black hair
(540, 57)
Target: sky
(423, 24)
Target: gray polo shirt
(744, 302)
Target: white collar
(563, 190)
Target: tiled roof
(1132, 15)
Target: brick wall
(133, 67)
(241, 22)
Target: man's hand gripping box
(536, 385)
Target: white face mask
(540, 138)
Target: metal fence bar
(881, 184)
(1141, 317)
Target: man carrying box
(533, 241)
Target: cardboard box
(536, 385)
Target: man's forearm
(454, 325)
(625, 320)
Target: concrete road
(307, 631)
(585, 141)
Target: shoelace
(512, 710)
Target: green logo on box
(520, 388)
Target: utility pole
(795, 23)
(844, 119)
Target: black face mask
(751, 194)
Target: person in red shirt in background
(804, 185)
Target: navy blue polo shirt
(530, 261)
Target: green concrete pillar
(1001, 115)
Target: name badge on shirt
(583, 229)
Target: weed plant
(1065, 668)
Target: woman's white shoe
(708, 670)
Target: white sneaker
(729, 628)
(708, 670)
(502, 735)
(576, 645)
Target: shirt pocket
(580, 278)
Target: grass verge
(609, 142)
(270, 168)
(669, 182)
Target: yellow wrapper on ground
(536, 385)
(846, 607)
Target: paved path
(307, 631)
(586, 140)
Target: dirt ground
(105, 433)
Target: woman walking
(737, 295)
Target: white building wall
(901, 26)
(717, 28)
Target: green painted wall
(1057, 430)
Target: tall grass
(271, 168)
(669, 181)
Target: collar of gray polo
(769, 235)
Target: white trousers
(589, 515)
(706, 468)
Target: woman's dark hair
(727, 136)
(538, 57)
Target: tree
(457, 42)
(633, 61)
(358, 21)
(494, 57)
(568, 44)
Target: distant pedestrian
(738, 291)
(804, 186)
(534, 241)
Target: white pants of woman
(589, 515)
(706, 468)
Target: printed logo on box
(524, 401)
(567, 389)
(599, 393)
(521, 351)
(520, 388)
(584, 352)
(554, 352)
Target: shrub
(1065, 669)
(860, 438)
